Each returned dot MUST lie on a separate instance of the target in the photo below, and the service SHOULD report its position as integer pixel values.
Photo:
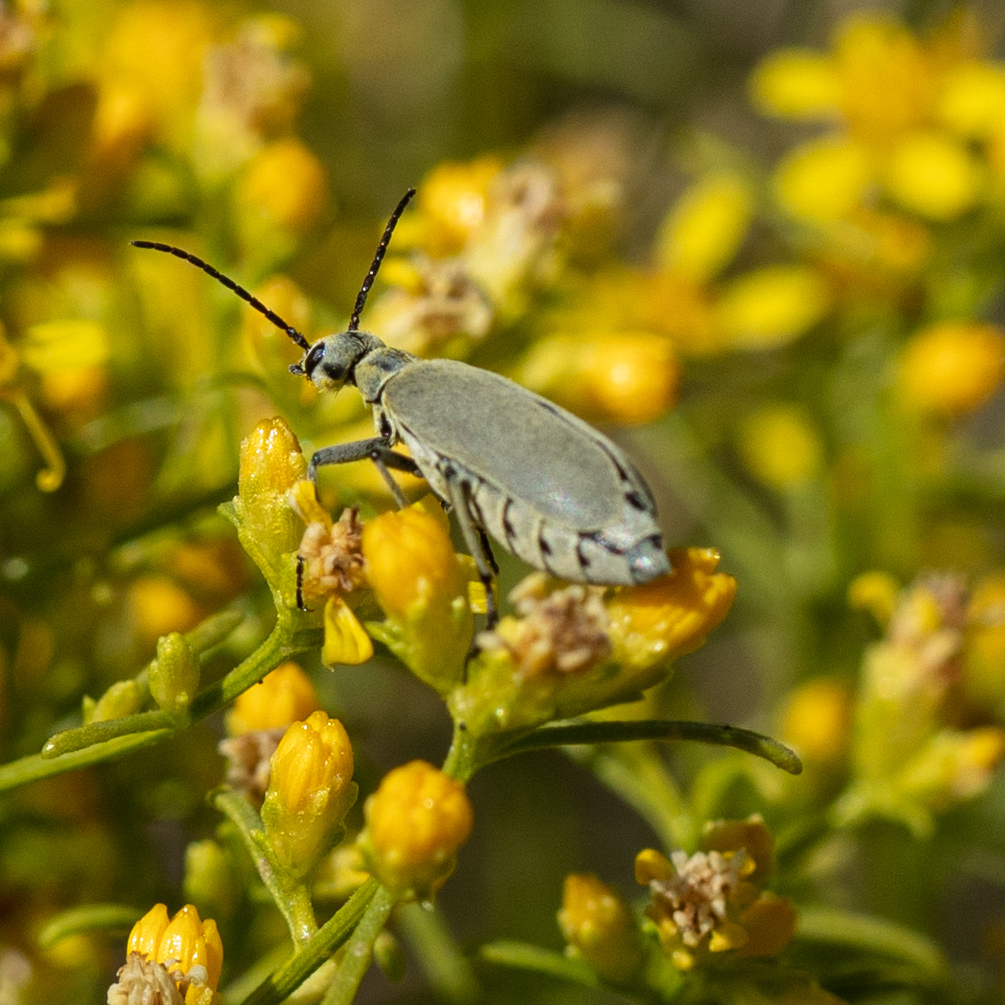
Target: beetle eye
(314, 357)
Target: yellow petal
(346, 641)
(303, 498)
(972, 102)
(795, 84)
(706, 227)
(933, 175)
(823, 180)
(772, 305)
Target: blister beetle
(545, 484)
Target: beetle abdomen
(547, 486)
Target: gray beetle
(546, 485)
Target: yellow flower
(283, 696)
(155, 49)
(664, 619)
(329, 565)
(875, 592)
(780, 446)
(422, 588)
(310, 791)
(279, 198)
(904, 105)
(772, 305)
(816, 720)
(451, 203)
(624, 377)
(436, 308)
(951, 367)
(711, 902)
(416, 822)
(183, 953)
(508, 252)
(599, 927)
(955, 765)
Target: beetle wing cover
(509, 437)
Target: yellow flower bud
(780, 446)
(599, 926)
(951, 367)
(796, 84)
(310, 791)
(670, 616)
(953, 766)
(770, 306)
(816, 720)
(284, 189)
(174, 674)
(416, 822)
(159, 606)
(124, 697)
(285, 695)
(933, 175)
(421, 586)
(188, 949)
(268, 527)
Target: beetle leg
(473, 538)
(399, 496)
(376, 449)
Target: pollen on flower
(332, 555)
(564, 630)
(693, 901)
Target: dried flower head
(248, 757)
(563, 630)
(332, 555)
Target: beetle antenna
(230, 284)
(377, 259)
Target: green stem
(290, 896)
(359, 951)
(330, 936)
(285, 641)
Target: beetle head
(331, 361)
